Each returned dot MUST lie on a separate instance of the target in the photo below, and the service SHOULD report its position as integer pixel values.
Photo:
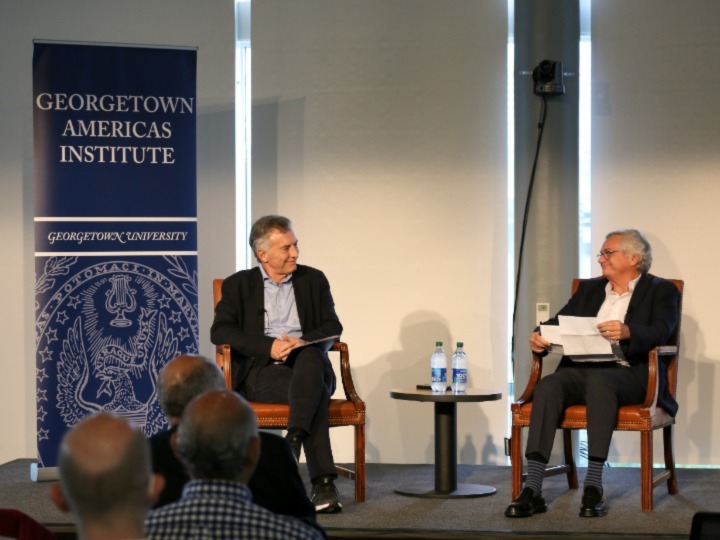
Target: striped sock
(535, 475)
(594, 473)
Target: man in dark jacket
(279, 320)
(636, 312)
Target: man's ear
(58, 497)
(173, 445)
(156, 487)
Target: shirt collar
(267, 278)
(208, 488)
(631, 287)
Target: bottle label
(439, 374)
(459, 375)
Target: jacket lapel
(301, 296)
(641, 289)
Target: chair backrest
(674, 338)
(217, 291)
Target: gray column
(545, 30)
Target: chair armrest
(223, 359)
(345, 374)
(653, 375)
(535, 375)
(652, 384)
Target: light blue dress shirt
(281, 314)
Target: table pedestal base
(428, 491)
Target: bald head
(183, 379)
(105, 468)
(218, 437)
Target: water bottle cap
(459, 343)
(438, 343)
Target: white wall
(656, 167)
(208, 25)
(380, 129)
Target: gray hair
(94, 491)
(634, 243)
(214, 443)
(261, 229)
(175, 397)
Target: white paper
(551, 332)
(577, 336)
(580, 336)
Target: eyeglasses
(606, 253)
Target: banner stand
(116, 279)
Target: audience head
(634, 243)
(184, 378)
(105, 476)
(261, 229)
(217, 438)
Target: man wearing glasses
(636, 312)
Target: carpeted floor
(388, 515)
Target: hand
(614, 330)
(538, 343)
(283, 346)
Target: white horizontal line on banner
(109, 253)
(109, 44)
(110, 219)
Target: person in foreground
(276, 483)
(105, 478)
(636, 312)
(217, 441)
(267, 315)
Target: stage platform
(387, 515)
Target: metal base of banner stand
(44, 474)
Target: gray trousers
(603, 387)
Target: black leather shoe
(527, 504)
(325, 496)
(593, 503)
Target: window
(243, 126)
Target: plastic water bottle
(459, 369)
(438, 369)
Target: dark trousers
(305, 382)
(602, 387)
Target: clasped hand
(283, 346)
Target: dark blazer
(276, 483)
(240, 316)
(652, 317)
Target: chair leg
(646, 470)
(360, 463)
(570, 459)
(516, 460)
(670, 459)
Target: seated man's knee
(547, 386)
(310, 358)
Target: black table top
(471, 394)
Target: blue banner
(115, 230)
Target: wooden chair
(343, 412)
(644, 418)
